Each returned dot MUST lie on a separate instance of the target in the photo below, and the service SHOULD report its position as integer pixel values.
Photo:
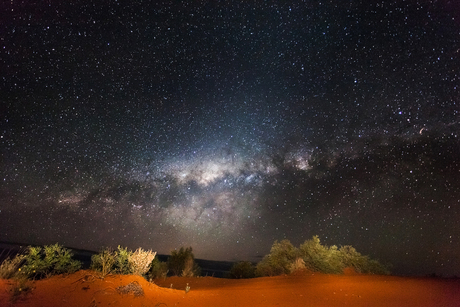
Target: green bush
(52, 260)
(263, 268)
(182, 263)
(284, 258)
(321, 258)
(362, 264)
(104, 262)
(243, 269)
(122, 264)
(282, 255)
(158, 269)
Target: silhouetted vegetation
(182, 263)
(158, 269)
(243, 269)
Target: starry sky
(228, 125)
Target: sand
(85, 288)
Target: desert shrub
(122, 263)
(19, 289)
(10, 266)
(362, 264)
(139, 261)
(285, 258)
(282, 255)
(298, 264)
(158, 269)
(263, 268)
(243, 269)
(321, 258)
(52, 260)
(182, 263)
(104, 262)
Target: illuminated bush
(280, 260)
(139, 261)
(243, 269)
(182, 263)
(49, 261)
(122, 261)
(284, 258)
(104, 262)
(321, 258)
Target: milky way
(226, 127)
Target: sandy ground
(86, 289)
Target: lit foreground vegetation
(284, 258)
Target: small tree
(158, 269)
(243, 269)
(182, 263)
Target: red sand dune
(84, 288)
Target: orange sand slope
(85, 289)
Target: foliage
(104, 262)
(52, 260)
(20, 287)
(284, 258)
(263, 268)
(10, 266)
(243, 269)
(361, 264)
(182, 263)
(158, 269)
(321, 258)
(282, 255)
(298, 264)
(139, 261)
(122, 261)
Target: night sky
(227, 126)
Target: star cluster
(226, 126)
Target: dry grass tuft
(133, 288)
(10, 267)
(298, 264)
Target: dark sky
(227, 126)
